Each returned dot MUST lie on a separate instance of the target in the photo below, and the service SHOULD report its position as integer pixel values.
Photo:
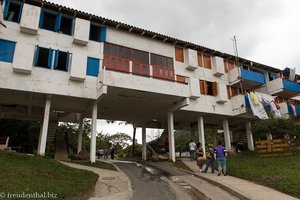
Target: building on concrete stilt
(55, 59)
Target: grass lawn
(97, 164)
(280, 173)
(22, 173)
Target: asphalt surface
(146, 185)
(156, 181)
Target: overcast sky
(267, 31)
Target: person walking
(210, 155)
(192, 147)
(221, 154)
(200, 156)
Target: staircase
(159, 144)
(61, 152)
(52, 127)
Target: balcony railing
(252, 76)
(292, 86)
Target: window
(48, 58)
(43, 57)
(56, 22)
(61, 61)
(92, 68)
(200, 60)
(228, 65)
(179, 54)
(162, 67)
(7, 50)
(208, 88)
(118, 57)
(97, 33)
(207, 61)
(13, 11)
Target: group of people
(204, 162)
(103, 153)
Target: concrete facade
(147, 100)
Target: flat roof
(149, 34)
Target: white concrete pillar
(201, 134)
(226, 134)
(249, 136)
(231, 135)
(79, 145)
(144, 147)
(171, 136)
(269, 136)
(44, 128)
(93, 135)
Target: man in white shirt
(192, 147)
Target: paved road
(155, 181)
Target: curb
(224, 187)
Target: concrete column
(249, 136)
(44, 128)
(201, 134)
(171, 136)
(93, 135)
(231, 135)
(144, 147)
(79, 145)
(214, 136)
(226, 134)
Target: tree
(120, 140)
(277, 127)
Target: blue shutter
(50, 58)
(56, 58)
(103, 34)
(57, 22)
(7, 50)
(20, 11)
(42, 18)
(68, 60)
(92, 68)
(36, 58)
(5, 12)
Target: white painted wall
(275, 86)
(30, 19)
(21, 63)
(81, 31)
(191, 59)
(218, 66)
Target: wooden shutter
(202, 87)
(228, 92)
(230, 65)
(200, 60)
(225, 66)
(179, 54)
(207, 61)
(214, 89)
(180, 79)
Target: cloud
(266, 30)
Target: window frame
(89, 71)
(160, 71)
(7, 7)
(10, 53)
(102, 32)
(179, 54)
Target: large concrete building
(60, 64)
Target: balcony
(248, 79)
(241, 106)
(283, 88)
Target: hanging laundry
(294, 110)
(254, 98)
(286, 71)
(278, 75)
(292, 74)
(257, 110)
